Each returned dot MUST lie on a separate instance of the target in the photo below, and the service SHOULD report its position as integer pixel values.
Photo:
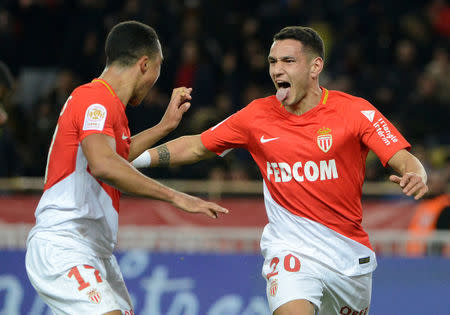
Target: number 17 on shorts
(87, 291)
(94, 295)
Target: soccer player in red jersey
(69, 258)
(310, 145)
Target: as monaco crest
(324, 139)
(95, 296)
(273, 287)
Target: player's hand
(411, 184)
(193, 204)
(178, 105)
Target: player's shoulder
(346, 99)
(265, 101)
(261, 104)
(257, 108)
(348, 104)
(91, 98)
(92, 92)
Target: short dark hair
(128, 41)
(6, 78)
(310, 39)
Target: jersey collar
(110, 89)
(324, 98)
(296, 118)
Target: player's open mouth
(283, 90)
(283, 85)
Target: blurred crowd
(393, 53)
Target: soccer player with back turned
(69, 258)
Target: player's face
(148, 79)
(289, 68)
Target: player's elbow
(198, 150)
(100, 169)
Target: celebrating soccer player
(310, 145)
(69, 258)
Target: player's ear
(144, 63)
(316, 67)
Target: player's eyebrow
(283, 58)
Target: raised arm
(413, 179)
(178, 105)
(106, 165)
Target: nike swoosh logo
(267, 140)
(124, 137)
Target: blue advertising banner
(412, 286)
(210, 284)
(159, 284)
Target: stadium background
(393, 53)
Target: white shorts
(71, 282)
(291, 276)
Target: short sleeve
(230, 133)
(93, 117)
(378, 133)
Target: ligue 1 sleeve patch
(95, 117)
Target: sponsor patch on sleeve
(95, 117)
(364, 260)
(384, 132)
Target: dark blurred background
(393, 53)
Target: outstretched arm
(413, 179)
(183, 150)
(106, 165)
(178, 105)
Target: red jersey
(313, 164)
(74, 204)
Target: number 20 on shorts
(290, 264)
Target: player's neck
(121, 81)
(308, 102)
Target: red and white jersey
(76, 209)
(313, 167)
